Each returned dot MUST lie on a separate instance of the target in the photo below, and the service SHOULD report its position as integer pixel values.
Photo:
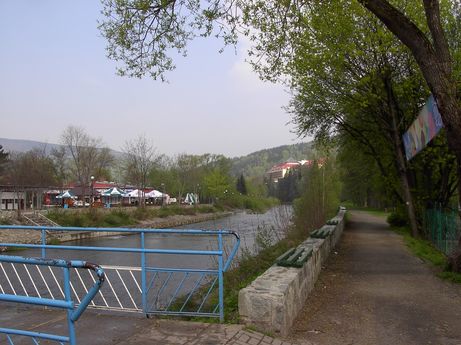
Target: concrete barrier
(273, 300)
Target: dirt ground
(373, 291)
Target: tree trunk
(400, 159)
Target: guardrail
(73, 312)
(147, 288)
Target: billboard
(423, 129)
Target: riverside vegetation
(117, 217)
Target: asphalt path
(374, 291)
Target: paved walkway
(373, 291)
(102, 329)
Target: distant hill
(20, 145)
(257, 163)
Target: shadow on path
(373, 291)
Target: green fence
(442, 228)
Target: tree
(87, 156)
(60, 161)
(241, 185)
(32, 171)
(216, 184)
(3, 160)
(140, 158)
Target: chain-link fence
(443, 228)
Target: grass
(118, 217)
(427, 252)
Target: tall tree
(241, 185)
(87, 156)
(3, 160)
(32, 171)
(140, 158)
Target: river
(247, 225)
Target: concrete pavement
(96, 328)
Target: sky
(54, 73)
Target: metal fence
(9, 293)
(152, 287)
(442, 228)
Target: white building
(12, 200)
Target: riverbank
(34, 237)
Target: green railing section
(442, 228)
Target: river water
(247, 225)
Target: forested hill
(257, 163)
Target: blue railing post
(143, 275)
(43, 243)
(221, 279)
(68, 297)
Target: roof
(282, 166)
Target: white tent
(133, 194)
(112, 192)
(66, 195)
(154, 194)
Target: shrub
(398, 218)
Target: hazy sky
(54, 73)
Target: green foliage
(121, 217)
(5, 221)
(288, 188)
(259, 162)
(241, 185)
(398, 218)
(3, 160)
(320, 197)
(142, 34)
(216, 184)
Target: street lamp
(92, 185)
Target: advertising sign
(423, 129)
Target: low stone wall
(274, 299)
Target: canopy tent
(154, 194)
(66, 195)
(191, 199)
(114, 191)
(112, 195)
(133, 194)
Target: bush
(398, 218)
(118, 218)
(5, 221)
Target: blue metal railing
(154, 290)
(73, 312)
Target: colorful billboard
(423, 129)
